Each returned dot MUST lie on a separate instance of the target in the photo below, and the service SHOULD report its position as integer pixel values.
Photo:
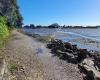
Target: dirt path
(37, 61)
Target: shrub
(12, 66)
(3, 30)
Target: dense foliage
(3, 29)
(10, 18)
(10, 10)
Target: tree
(32, 26)
(10, 10)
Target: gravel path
(37, 61)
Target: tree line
(56, 25)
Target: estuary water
(84, 38)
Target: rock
(49, 45)
(68, 46)
(91, 72)
(57, 44)
(97, 61)
(82, 54)
(67, 50)
(67, 56)
(75, 48)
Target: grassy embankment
(4, 35)
(4, 32)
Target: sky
(68, 12)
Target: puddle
(39, 51)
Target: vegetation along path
(37, 63)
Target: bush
(3, 30)
(12, 65)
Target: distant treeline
(55, 25)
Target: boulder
(97, 61)
(68, 46)
(82, 54)
(67, 56)
(69, 51)
(91, 72)
(58, 44)
(50, 45)
(75, 48)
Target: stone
(68, 46)
(75, 48)
(82, 54)
(97, 61)
(67, 56)
(91, 72)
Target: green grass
(12, 65)
(4, 32)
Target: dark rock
(82, 54)
(75, 48)
(67, 56)
(70, 51)
(68, 46)
(97, 61)
(49, 46)
(58, 44)
(67, 50)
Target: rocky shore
(88, 61)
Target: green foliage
(10, 10)
(4, 32)
(12, 65)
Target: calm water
(75, 36)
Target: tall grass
(4, 32)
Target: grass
(12, 66)
(4, 32)
(44, 38)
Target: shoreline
(87, 61)
(28, 62)
(86, 43)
